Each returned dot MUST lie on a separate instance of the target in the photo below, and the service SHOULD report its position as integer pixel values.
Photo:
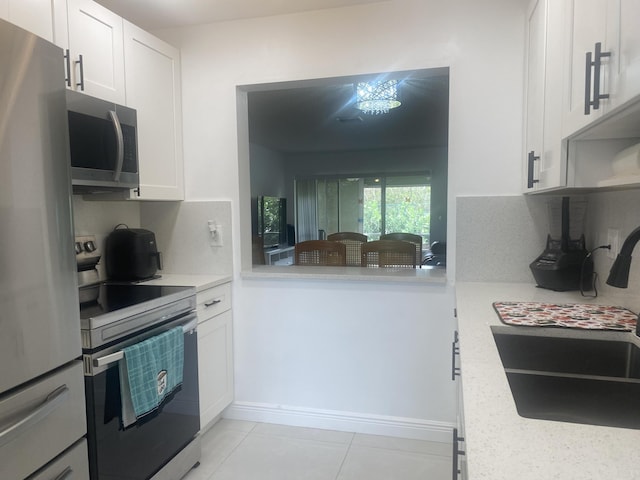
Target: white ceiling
(155, 14)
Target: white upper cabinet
(95, 39)
(545, 166)
(603, 59)
(152, 72)
(623, 35)
(586, 71)
(35, 16)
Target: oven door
(144, 448)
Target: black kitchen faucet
(619, 273)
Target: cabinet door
(152, 72)
(544, 97)
(624, 40)
(96, 34)
(215, 366)
(586, 25)
(33, 15)
(536, 24)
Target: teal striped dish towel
(149, 372)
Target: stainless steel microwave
(103, 145)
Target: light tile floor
(238, 450)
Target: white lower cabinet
(215, 351)
(459, 450)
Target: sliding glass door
(372, 205)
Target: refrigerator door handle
(53, 400)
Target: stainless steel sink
(595, 382)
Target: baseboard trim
(418, 429)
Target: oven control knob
(90, 246)
(78, 248)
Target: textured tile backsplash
(498, 237)
(183, 235)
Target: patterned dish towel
(149, 372)
(568, 315)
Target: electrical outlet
(613, 239)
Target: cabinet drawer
(213, 301)
(73, 463)
(41, 420)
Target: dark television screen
(272, 221)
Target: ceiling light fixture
(377, 97)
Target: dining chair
(407, 237)
(352, 242)
(388, 254)
(320, 252)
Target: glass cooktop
(115, 296)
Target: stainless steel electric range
(164, 444)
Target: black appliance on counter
(565, 264)
(131, 254)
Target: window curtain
(306, 216)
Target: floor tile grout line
(346, 454)
(226, 457)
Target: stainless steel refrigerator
(42, 407)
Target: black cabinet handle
(455, 350)
(456, 453)
(80, 62)
(212, 302)
(594, 61)
(67, 61)
(532, 157)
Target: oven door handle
(119, 355)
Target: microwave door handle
(120, 145)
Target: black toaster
(131, 254)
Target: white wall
(293, 340)
(481, 42)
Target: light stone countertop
(425, 274)
(501, 445)
(201, 282)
